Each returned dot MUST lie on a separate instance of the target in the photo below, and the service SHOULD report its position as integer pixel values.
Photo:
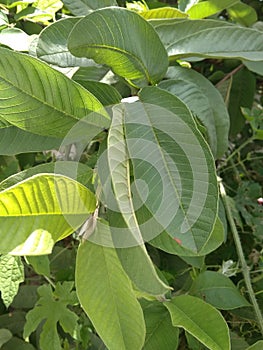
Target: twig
(245, 268)
(230, 74)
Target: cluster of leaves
(115, 120)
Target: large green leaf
(77, 171)
(208, 38)
(105, 36)
(165, 242)
(119, 169)
(208, 8)
(160, 333)
(205, 102)
(173, 169)
(31, 93)
(41, 210)
(200, 320)
(14, 141)
(218, 290)
(106, 295)
(52, 45)
(84, 7)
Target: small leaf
(243, 14)
(106, 295)
(103, 36)
(5, 336)
(52, 309)
(40, 264)
(200, 320)
(218, 290)
(11, 275)
(208, 8)
(160, 333)
(257, 346)
(41, 210)
(163, 12)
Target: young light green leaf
(33, 91)
(106, 295)
(52, 309)
(163, 12)
(188, 312)
(218, 290)
(205, 102)
(208, 8)
(81, 172)
(162, 132)
(41, 210)
(84, 7)
(160, 333)
(243, 14)
(104, 36)
(11, 275)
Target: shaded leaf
(11, 275)
(107, 297)
(217, 290)
(188, 312)
(41, 210)
(40, 264)
(52, 309)
(5, 336)
(105, 36)
(160, 333)
(243, 14)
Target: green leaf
(200, 320)
(52, 309)
(5, 336)
(84, 7)
(209, 38)
(160, 333)
(257, 346)
(105, 93)
(256, 67)
(165, 242)
(41, 210)
(163, 12)
(3, 19)
(208, 8)
(107, 297)
(241, 95)
(52, 45)
(40, 264)
(11, 275)
(119, 168)
(33, 91)
(77, 171)
(105, 36)
(17, 343)
(178, 169)
(243, 14)
(205, 102)
(217, 290)
(14, 141)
